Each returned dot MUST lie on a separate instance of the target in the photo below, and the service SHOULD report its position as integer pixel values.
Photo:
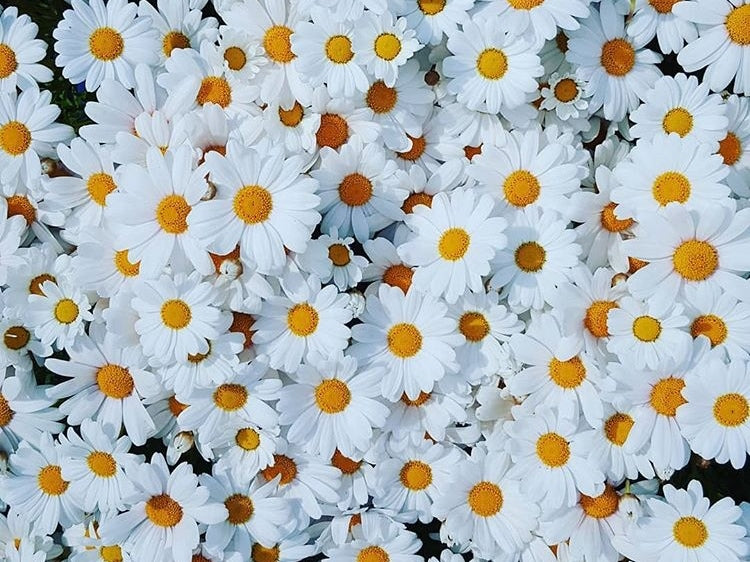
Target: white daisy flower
(40, 263)
(410, 336)
(357, 479)
(18, 345)
(722, 43)
(720, 317)
(424, 183)
(308, 319)
(433, 147)
(163, 519)
(656, 18)
(332, 259)
(490, 69)
(331, 408)
(265, 204)
(17, 531)
(566, 96)
(680, 105)
(379, 541)
(58, 314)
(106, 383)
(243, 56)
(340, 119)
(383, 44)
(177, 316)
(735, 146)
(97, 41)
(21, 52)
(386, 267)
(294, 546)
(248, 450)
(295, 127)
(614, 66)
(97, 266)
(432, 19)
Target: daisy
(527, 171)
(452, 243)
(40, 263)
(721, 45)
(614, 66)
(18, 344)
(308, 319)
(432, 19)
(566, 96)
(550, 461)
(410, 336)
(94, 464)
(432, 148)
(680, 105)
(386, 267)
(720, 317)
(360, 190)
(684, 526)
(97, 41)
(686, 250)
(734, 148)
(539, 255)
(243, 56)
(295, 127)
(656, 17)
(383, 44)
(28, 129)
(341, 119)
(97, 266)
(293, 546)
(484, 503)
(17, 531)
(669, 170)
(21, 52)
(426, 182)
(715, 418)
(263, 203)
(645, 333)
(381, 541)
(490, 69)
(254, 515)
(323, 49)
(105, 383)
(150, 130)
(176, 316)
(58, 314)
(332, 259)
(357, 479)
(247, 451)
(165, 513)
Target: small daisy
(614, 66)
(386, 267)
(97, 41)
(656, 17)
(484, 503)
(58, 314)
(490, 69)
(452, 243)
(243, 56)
(645, 333)
(248, 450)
(331, 258)
(431, 413)
(332, 408)
(720, 317)
(411, 336)
(264, 203)
(105, 383)
(384, 44)
(295, 127)
(308, 319)
(97, 266)
(162, 522)
(357, 478)
(539, 255)
(432, 19)
(20, 52)
(360, 189)
(565, 96)
(18, 344)
(734, 148)
(341, 119)
(176, 316)
(680, 105)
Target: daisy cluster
(316, 275)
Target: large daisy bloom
(21, 52)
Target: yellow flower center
(404, 340)
(338, 254)
(333, 131)
(695, 260)
(602, 506)
(730, 149)
(106, 44)
(610, 222)
(16, 337)
(595, 320)
(240, 508)
(738, 25)
(6, 412)
(332, 396)
(102, 464)
(114, 381)
(618, 57)
(415, 199)
(99, 185)
(8, 62)
(260, 553)
(617, 428)
(214, 89)
(553, 450)
(381, 98)
(711, 326)
(176, 314)
(172, 213)
(567, 374)
(125, 266)
(373, 553)
(247, 438)
(530, 257)
(15, 138)
(418, 145)
(345, 464)
(174, 40)
(646, 328)
(473, 326)
(398, 275)
(521, 188)
(278, 45)
(669, 187)
(485, 499)
(387, 46)
(236, 58)
(291, 117)
(339, 49)
(282, 465)
(50, 480)
(302, 320)
(415, 475)
(163, 511)
(253, 204)
(66, 311)
(566, 90)
(492, 64)
(230, 397)
(666, 396)
(731, 410)
(690, 532)
(662, 6)
(453, 244)
(355, 190)
(111, 553)
(677, 120)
